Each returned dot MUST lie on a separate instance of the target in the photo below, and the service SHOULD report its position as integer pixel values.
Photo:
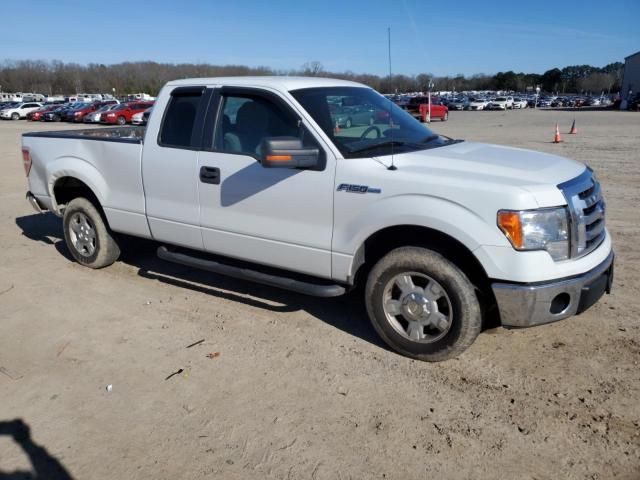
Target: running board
(299, 286)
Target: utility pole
(429, 87)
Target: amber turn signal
(509, 223)
(279, 158)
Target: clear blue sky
(440, 37)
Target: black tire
(105, 249)
(15, 116)
(466, 316)
(121, 120)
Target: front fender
(435, 213)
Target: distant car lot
(78, 109)
(482, 101)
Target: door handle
(210, 175)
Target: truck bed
(107, 160)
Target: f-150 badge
(350, 188)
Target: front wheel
(422, 305)
(87, 235)
(445, 117)
(121, 120)
(15, 116)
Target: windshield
(362, 123)
(501, 99)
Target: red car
(37, 114)
(78, 114)
(437, 109)
(122, 113)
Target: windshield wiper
(388, 143)
(430, 138)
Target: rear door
(274, 216)
(170, 168)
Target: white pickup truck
(439, 232)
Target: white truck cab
(256, 170)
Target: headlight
(544, 229)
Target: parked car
(57, 114)
(519, 103)
(123, 113)
(459, 104)
(141, 118)
(36, 115)
(500, 103)
(78, 114)
(137, 119)
(353, 115)
(543, 102)
(20, 110)
(94, 117)
(439, 230)
(438, 111)
(478, 104)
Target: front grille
(587, 210)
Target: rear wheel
(422, 305)
(348, 123)
(87, 235)
(445, 117)
(121, 120)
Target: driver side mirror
(287, 152)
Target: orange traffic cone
(573, 130)
(556, 137)
(337, 129)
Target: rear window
(180, 117)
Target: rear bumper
(536, 304)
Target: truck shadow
(346, 313)
(45, 466)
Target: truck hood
(498, 164)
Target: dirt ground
(302, 388)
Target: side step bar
(252, 275)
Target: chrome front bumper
(536, 304)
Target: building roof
(283, 83)
(632, 55)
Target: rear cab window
(178, 129)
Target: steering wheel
(371, 129)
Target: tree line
(56, 77)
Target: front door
(273, 216)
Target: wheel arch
(68, 188)
(389, 238)
(381, 242)
(71, 177)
